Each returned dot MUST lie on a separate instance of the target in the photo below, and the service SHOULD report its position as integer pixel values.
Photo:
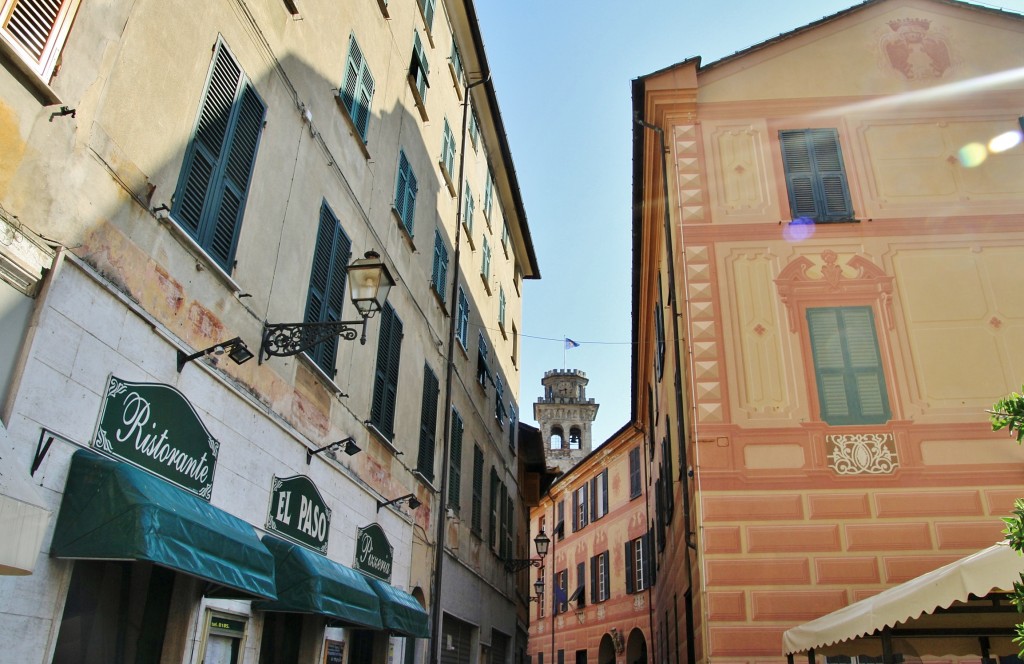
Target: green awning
(115, 511)
(308, 582)
(401, 612)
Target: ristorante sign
(154, 427)
(374, 553)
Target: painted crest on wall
(915, 52)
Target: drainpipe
(677, 378)
(442, 516)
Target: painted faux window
(478, 489)
(599, 495)
(214, 183)
(815, 175)
(561, 592)
(405, 192)
(634, 473)
(560, 523)
(419, 68)
(600, 578)
(36, 30)
(428, 424)
(326, 293)
(385, 383)
(439, 269)
(357, 88)
(455, 463)
(448, 149)
(462, 322)
(848, 365)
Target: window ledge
(469, 234)
(39, 88)
(440, 300)
(447, 177)
(406, 235)
(319, 372)
(487, 283)
(383, 4)
(352, 126)
(203, 260)
(426, 481)
(501, 328)
(455, 78)
(381, 438)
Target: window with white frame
(35, 30)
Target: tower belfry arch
(565, 417)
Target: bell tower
(565, 417)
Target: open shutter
(365, 99)
(594, 599)
(428, 424)
(630, 576)
(350, 86)
(575, 511)
(455, 472)
(796, 159)
(604, 492)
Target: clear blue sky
(562, 71)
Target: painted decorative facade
(840, 239)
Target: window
(356, 91)
(439, 269)
(418, 71)
(599, 495)
(637, 565)
(428, 13)
(462, 329)
(458, 74)
(561, 594)
(815, 176)
(499, 402)
(483, 370)
(36, 30)
(214, 182)
(428, 424)
(474, 130)
(501, 308)
(670, 500)
(512, 427)
(448, 149)
(560, 524)
(659, 508)
(467, 213)
(488, 196)
(385, 383)
(515, 345)
(455, 463)
(326, 293)
(492, 525)
(575, 438)
(600, 578)
(478, 489)
(659, 333)
(485, 263)
(847, 366)
(505, 237)
(634, 473)
(405, 192)
(580, 507)
(507, 525)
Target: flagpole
(564, 344)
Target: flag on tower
(569, 343)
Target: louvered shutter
(575, 511)
(365, 100)
(428, 424)
(401, 184)
(866, 364)
(594, 599)
(796, 158)
(350, 85)
(585, 518)
(492, 522)
(455, 472)
(630, 553)
(385, 386)
(833, 191)
(847, 363)
(604, 492)
(36, 29)
(428, 12)
(478, 488)
(326, 294)
(409, 205)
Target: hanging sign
(154, 427)
(299, 513)
(374, 552)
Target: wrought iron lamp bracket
(514, 565)
(287, 339)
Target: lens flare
(972, 154)
(798, 230)
(1004, 142)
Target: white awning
(933, 614)
(23, 514)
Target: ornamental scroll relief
(862, 453)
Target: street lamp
(369, 282)
(541, 541)
(235, 348)
(538, 589)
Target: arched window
(575, 438)
(557, 438)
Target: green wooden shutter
(815, 175)
(210, 199)
(455, 472)
(478, 488)
(492, 522)
(796, 158)
(428, 424)
(439, 270)
(326, 294)
(834, 193)
(357, 88)
(847, 365)
(365, 101)
(385, 385)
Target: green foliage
(1008, 413)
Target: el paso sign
(154, 427)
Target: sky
(563, 73)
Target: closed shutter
(499, 648)
(326, 294)
(455, 472)
(815, 175)
(630, 574)
(478, 489)
(604, 491)
(575, 511)
(847, 364)
(594, 597)
(428, 424)
(492, 524)
(456, 638)
(214, 183)
(385, 386)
